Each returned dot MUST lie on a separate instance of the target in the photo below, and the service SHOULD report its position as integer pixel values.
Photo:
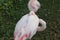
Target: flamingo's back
(26, 26)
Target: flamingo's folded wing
(32, 25)
(20, 24)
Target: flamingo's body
(33, 5)
(28, 24)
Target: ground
(12, 10)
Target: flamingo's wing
(20, 35)
(32, 25)
(20, 24)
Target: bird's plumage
(28, 23)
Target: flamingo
(27, 26)
(33, 5)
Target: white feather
(28, 23)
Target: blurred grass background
(12, 10)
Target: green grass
(12, 10)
